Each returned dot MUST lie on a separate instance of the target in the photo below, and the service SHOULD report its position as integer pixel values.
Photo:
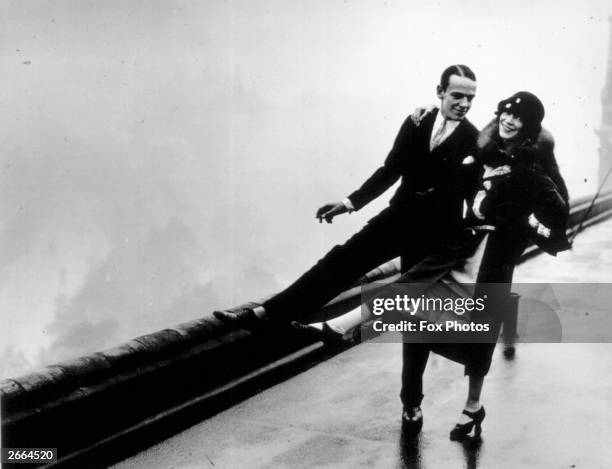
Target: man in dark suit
(433, 159)
(429, 157)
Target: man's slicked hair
(461, 70)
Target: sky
(161, 159)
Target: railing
(102, 407)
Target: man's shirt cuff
(348, 204)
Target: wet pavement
(550, 407)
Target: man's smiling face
(456, 99)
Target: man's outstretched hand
(329, 211)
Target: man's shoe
(242, 319)
(412, 420)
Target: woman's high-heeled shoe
(325, 334)
(462, 430)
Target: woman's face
(509, 125)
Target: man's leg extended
(379, 241)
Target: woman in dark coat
(521, 198)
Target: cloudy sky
(163, 158)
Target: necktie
(438, 137)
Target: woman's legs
(472, 404)
(344, 324)
(336, 330)
(474, 391)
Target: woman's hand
(420, 112)
(490, 172)
(541, 229)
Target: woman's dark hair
(461, 70)
(528, 108)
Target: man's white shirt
(449, 128)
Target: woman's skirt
(453, 273)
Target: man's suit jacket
(434, 183)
